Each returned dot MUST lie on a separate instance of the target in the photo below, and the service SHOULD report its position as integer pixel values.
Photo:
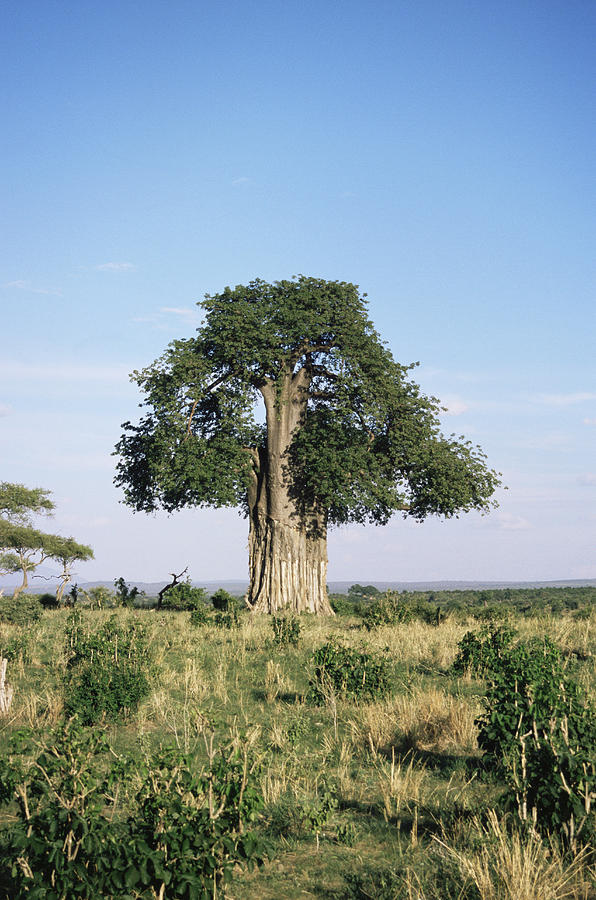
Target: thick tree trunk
(288, 568)
(287, 554)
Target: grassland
(386, 799)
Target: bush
(183, 597)
(186, 827)
(348, 673)
(108, 671)
(342, 605)
(49, 601)
(286, 630)
(482, 653)
(539, 731)
(18, 647)
(199, 616)
(21, 610)
(227, 619)
(223, 601)
(386, 610)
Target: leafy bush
(18, 647)
(539, 731)
(348, 673)
(49, 601)
(184, 596)
(199, 616)
(108, 670)
(342, 605)
(228, 619)
(223, 601)
(186, 827)
(386, 610)
(286, 630)
(192, 825)
(481, 653)
(60, 843)
(21, 610)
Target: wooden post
(5, 689)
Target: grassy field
(383, 799)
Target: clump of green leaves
(386, 610)
(199, 617)
(108, 671)
(223, 601)
(286, 631)
(22, 610)
(229, 619)
(18, 647)
(183, 596)
(347, 673)
(185, 828)
(482, 652)
(539, 731)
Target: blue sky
(439, 154)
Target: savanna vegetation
(412, 746)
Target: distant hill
(335, 587)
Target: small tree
(22, 547)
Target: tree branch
(176, 579)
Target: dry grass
(426, 719)
(515, 867)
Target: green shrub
(60, 843)
(386, 610)
(199, 616)
(108, 671)
(348, 673)
(18, 647)
(183, 597)
(193, 824)
(481, 653)
(22, 610)
(228, 619)
(286, 631)
(342, 605)
(539, 731)
(223, 601)
(185, 827)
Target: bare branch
(175, 581)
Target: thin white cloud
(242, 180)
(115, 267)
(511, 522)
(5, 410)
(454, 406)
(566, 399)
(589, 421)
(21, 285)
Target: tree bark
(287, 554)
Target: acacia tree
(22, 547)
(347, 436)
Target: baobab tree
(347, 435)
